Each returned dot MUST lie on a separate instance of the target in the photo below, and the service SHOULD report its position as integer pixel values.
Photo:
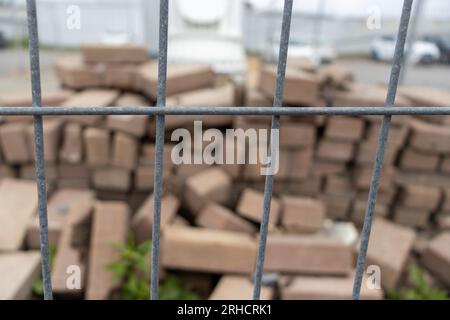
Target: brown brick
(109, 226)
(209, 185)
(59, 206)
(214, 216)
(72, 145)
(69, 253)
(344, 129)
(19, 203)
(299, 164)
(385, 197)
(421, 178)
(414, 160)
(147, 156)
(335, 151)
(443, 221)
(144, 177)
(362, 176)
(73, 183)
(445, 165)
(389, 248)
(306, 254)
(420, 197)
(359, 211)
(120, 76)
(106, 53)
(52, 138)
(430, 137)
(13, 138)
(412, 217)
(19, 271)
(338, 185)
(427, 96)
(436, 257)
(222, 96)
(135, 125)
(446, 202)
(125, 151)
(324, 168)
(23, 98)
(238, 288)
(7, 172)
(336, 76)
(204, 250)
(358, 95)
(180, 78)
(73, 73)
(308, 187)
(97, 147)
(338, 207)
(397, 134)
(112, 179)
(73, 171)
(301, 88)
(28, 172)
(367, 152)
(297, 135)
(326, 288)
(91, 98)
(255, 98)
(143, 219)
(302, 214)
(251, 206)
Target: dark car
(2, 41)
(443, 43)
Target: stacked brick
(100, 172)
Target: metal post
(382, 143)
(278, 101)
(160, 130)
(39, 147)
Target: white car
(383, 49)
(316, 53)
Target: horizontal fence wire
(268, 187)
(33, 41)
(159, 148)
(218, 111)
(381, 147)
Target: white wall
(98, 18)
(434, 9)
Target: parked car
(383, 49)
(443, 43)
(3, 43)
(317, 53)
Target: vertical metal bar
(160, 128)
(278, 100)
(382, 142)
(39, 147)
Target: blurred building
(341, 23)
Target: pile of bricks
(100, 172)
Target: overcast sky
(433, 8)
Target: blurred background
(221, 53)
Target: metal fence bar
(39, 147)
(382, 142)
(159, 148)
(237, 111)
(278, 101)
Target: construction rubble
(100, 174)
